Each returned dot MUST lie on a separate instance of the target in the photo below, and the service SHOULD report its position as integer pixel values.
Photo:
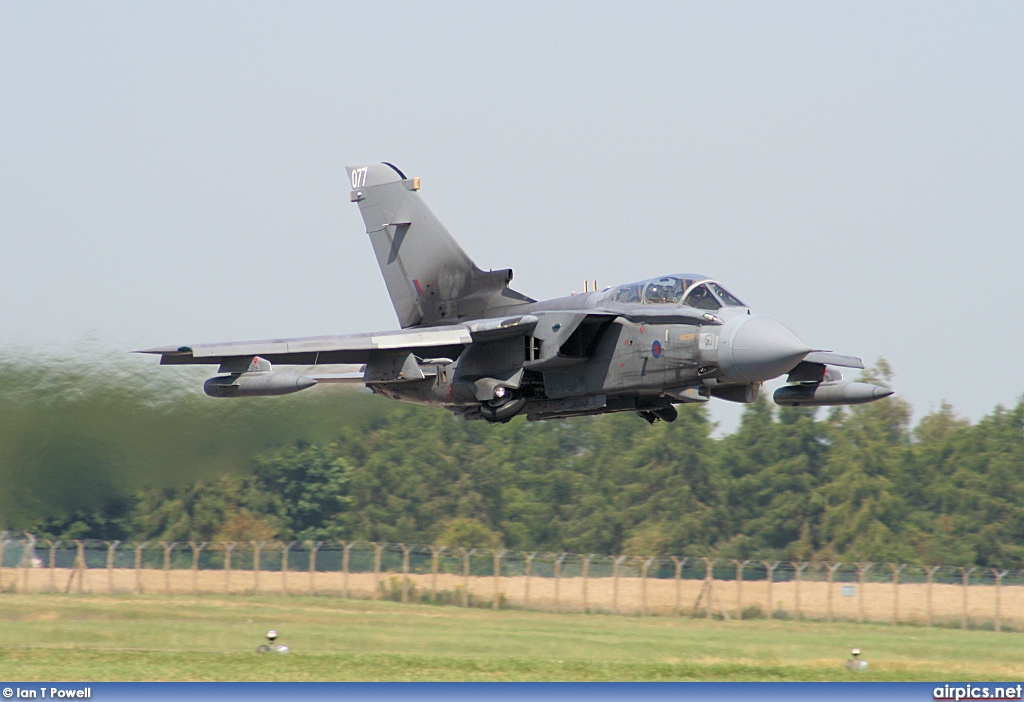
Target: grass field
(182, 638)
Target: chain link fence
(559, 582)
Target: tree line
(94, 460)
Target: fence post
(740, 565)
(345, 548)
(168, 547)
(966, 578)
(799, 571)
(586, 573)
(709, 578)
(314, 546)
(196, 550)
(831, 578)
(28, 553)
(405, 573)
(376, 569)
(643, 585)
(896, 591)
(862, 571)
(529, 570)
(53, 563)
(465, 575)
(80, 563)
(434, 555)
(615, 583)
(497, 577)
(138, 567)
(770, 567)
(285, 550)
(22, 566)
(931, 576)
(228, 548)
(111, 547)
(257, 551)
(679, 583)
(558, 579)
(999, 597)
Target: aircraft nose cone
(762, 349)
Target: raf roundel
(656, 348)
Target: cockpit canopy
(689, 289)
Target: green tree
(468, 533)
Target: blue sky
(174, 172)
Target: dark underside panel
(592, 405)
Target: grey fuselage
(590, 354)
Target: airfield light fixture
(856, 662)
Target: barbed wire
(496, 577)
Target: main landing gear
(665, 414)
(505, 405)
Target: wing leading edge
(352, 348)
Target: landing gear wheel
(666, 414)
(499, 412)
(649, 417)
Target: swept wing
(352, 348)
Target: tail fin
(429, 277)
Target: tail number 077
(359, 177)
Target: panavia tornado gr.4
(473, 345)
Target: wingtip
(166, 350)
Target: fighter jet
(471, 344)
